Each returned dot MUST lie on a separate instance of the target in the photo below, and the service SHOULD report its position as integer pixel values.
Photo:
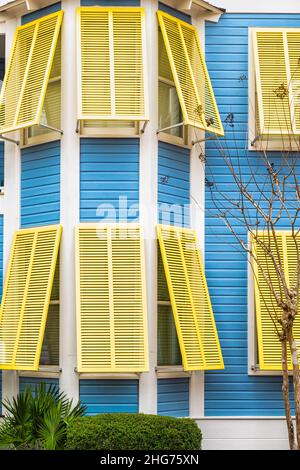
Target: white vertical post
(12, 176)
(69, 201)
(148, 208)
(197, 190)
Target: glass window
(50, 348)
(168, 351)
(169, 110)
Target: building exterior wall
(109, 179)
(40, 185)
(110, 396)
(33, 382)
(239, 409)
(173, 397)
(173, 184)
(233, 392)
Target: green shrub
(38, 419)
(124, 431)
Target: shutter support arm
(8, 139)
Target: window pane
(169, 109)
(168, 352)
(50, 348)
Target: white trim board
(258, 6)
(254, 433)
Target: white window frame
(254, 142)
(253, 363)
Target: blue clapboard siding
(109, 173)
(33, 382)
(173, 397)
(35, 15)
(173, 184)
(110, 3)
(174, 12)
(40, 184)
(110, 396)
(232, 392)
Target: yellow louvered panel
(293, 40)
(112, 64)
(111, 302)
(196, 330)
(190, 74)
(26, 79)
(272, 82)
(26, 296)
(129, 63)
(269, 346)
(164, 70)
(94, 78)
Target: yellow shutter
(111, 298)
(193, 315)
(276, 53)
(112, 64)
(26, 296)
(190, 74)
(285, 252)
(26, 79)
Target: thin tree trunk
(286, 397)
(296, 383)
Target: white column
(12, 177)
(148, 208)
(197, 190)
(69, 201)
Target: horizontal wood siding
(109, 173)
(173, 184)
(232, 392)
(110, 396)
(35, 15)
(173, 397)
(110, 3)
(40, 185)
(34, 382)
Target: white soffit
(260, 6)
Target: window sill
(168, 372)
(256, 371)
(107, 375)
(49, 372)
(173, 140)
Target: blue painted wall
(111, 3)
(173, 190)
(41, 12)
(110, 396)
(174, 12)
(32, 382)
(232, 391)
(40, 184)
(173, 397)
(174, 183)
(109, 170)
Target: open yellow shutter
(276, 53)
(111, 299)
(26, 79)
(26, 296)
(269, 346)
(112, 64)
(194, 320)
(190, 74)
